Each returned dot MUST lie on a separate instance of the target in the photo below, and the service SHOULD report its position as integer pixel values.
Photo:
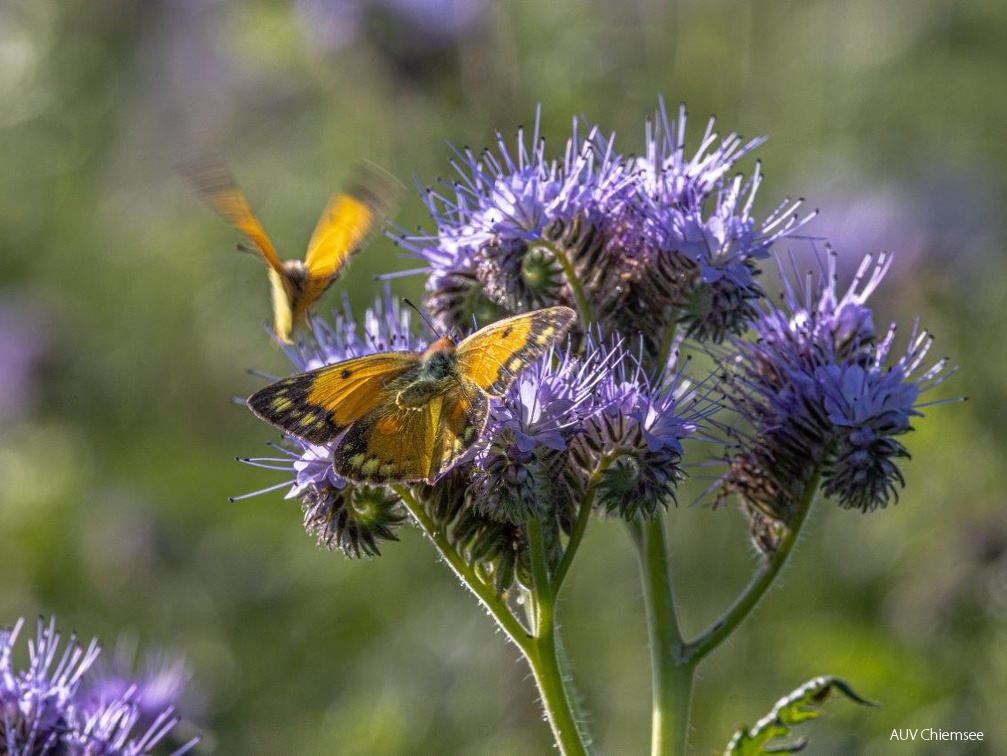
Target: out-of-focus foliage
(127, 321)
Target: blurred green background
(127, 321)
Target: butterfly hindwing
(319, 405)
(463, 418)
(392, 444)
(284, 298)
(387, 445)
(493, 356)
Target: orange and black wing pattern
(493, 356)
(393, 444)
(319, 405)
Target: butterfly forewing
(347, 220)
(319, 405)
(493, 357)
(210, 179)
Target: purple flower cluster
(58, 706)
(824, 398)
(636, 244)
(578, 414)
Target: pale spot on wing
(545, 336)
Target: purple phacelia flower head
(709, 244)
(56, 705)
(824, 399)
(524, 465)
(634, 244)
(636, 435)
(497, 241)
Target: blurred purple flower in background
(942, 223)
(56, 705)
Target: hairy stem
(548, 659)
(484, 591)
(664, 350)
(671, 680)
(540, 647)
(694, 651)
(580, 526)
(674, 661)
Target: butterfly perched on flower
(408, 416)
(351, 214)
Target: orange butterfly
(348, 218)
(407, 416)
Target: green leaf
(797, 707)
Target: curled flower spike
(55, 706)
(496, 237)
(352, 519)
(640, 426)
(522, 468)
(636, 245)
(500, 549)
(822, 396)
(707, 259)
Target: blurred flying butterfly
(407, 416)
(351, 214)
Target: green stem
(583, 304)
(548, 660)
(580, 527)
(671, 679)
(716, 633)
(664, 350)
(541, 649)
(673, 661)
(483, 591)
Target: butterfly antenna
(419, 311)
